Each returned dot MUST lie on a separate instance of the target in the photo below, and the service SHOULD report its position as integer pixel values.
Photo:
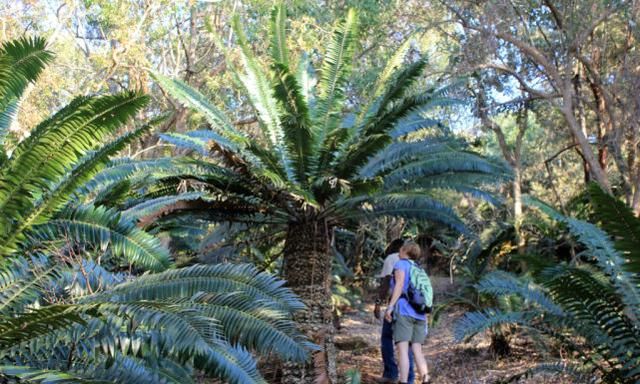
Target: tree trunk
(517, 207)
(307, 269)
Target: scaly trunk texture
(307, 269)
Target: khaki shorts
(406, 328)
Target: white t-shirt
(389, 262)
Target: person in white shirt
(390, 373)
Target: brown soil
(449, 362)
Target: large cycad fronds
(308, 160)
(64, 317)
(204, 317)
(597, 302)
(40, 172)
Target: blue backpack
(419, 293)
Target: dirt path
(449, 362)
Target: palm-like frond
(500, 283)
(334, 75)
(30, 175)
(82, 171)
(257, 86)
(22, 282)
(106, 229)
(603, 251)
(618, 220)
(473, 323)
(21, 62)
(194, 99)
(43, 321)
(402, 204)
(28, 374)
(597, 302)
(443, 162)
(296, 121)
(203, 317)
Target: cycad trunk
(307, 269)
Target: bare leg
(419, 361)
(403, 360)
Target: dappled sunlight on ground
(449, 362)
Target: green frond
(129, 369)
(408, 205)
(30, 174)
(401, 152)
(83, 171)
(357, 155)
(413, 122)
(618, 220)
(499, 283)
(22, 282)
(395, 63)
(446, 162)
(245, 323)
(602, 250)
(595, 311)
(261, 95)
(190, 336)
(107, 230)
(21, 62)
(28, 374)
(296, 121)
(197, 101)
(151, 206)
(39, 322)
(374, 133)
(184, 141)
(145, 172)
(397, 88)
(155, 328)
(334, 75)
(221, 278)
(473, 323)
(329, 150)
(277, 32)
(406, 115)
(295, 118)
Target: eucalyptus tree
(578, 58)
(64, 315)
(315, 166)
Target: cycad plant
(591, 308)
(315, 167)
(71, 308)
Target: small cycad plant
(591, 307)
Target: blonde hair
(412, 250)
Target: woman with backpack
(409, 324)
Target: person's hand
(388, 313)
(376, 311)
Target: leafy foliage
(310, 163)
(595, 301)
(65, 315)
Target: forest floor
(449, 362)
